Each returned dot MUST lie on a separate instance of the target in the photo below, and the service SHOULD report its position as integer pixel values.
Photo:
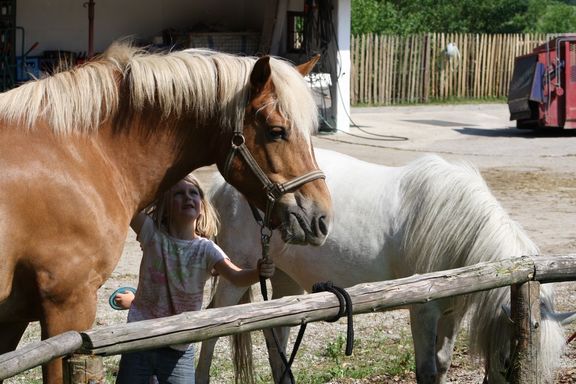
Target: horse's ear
(260, 73)
(307, 67)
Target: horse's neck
(152, 162)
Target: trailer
(542, 91)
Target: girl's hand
(266, 268)
(124, 300)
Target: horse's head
(552, 341)
(270, 158)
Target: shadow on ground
(515, 132)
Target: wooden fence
(406, 69)
(521, 273)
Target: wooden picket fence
(409, 69)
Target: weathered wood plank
(84, 369)
(551, 269)
(294, 310)
(38, 353)
(525, 364)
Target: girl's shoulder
(212, 247)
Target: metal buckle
(237, 140)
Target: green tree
(469, 16)
(551, 17)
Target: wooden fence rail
(406, 69)
(290, 311)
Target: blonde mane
(200, 83)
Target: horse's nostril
(322, 227)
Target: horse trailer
(542, 92)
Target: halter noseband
(273, 190)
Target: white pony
(390, 223)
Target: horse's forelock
(295, 99)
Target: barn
(35, 34)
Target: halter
(274, 191)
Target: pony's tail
(242, 351)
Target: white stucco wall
(63, 24)
(343, 25)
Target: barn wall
(63, 24)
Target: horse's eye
(277, 133)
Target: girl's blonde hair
(207, 223)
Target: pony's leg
(448, 327)
(423, 323)
(226, 294)
(282, 285)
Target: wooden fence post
(83, 369)
(525, 365)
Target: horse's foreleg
(448, 327)
(423, 323)
(282, 285)
(75, 313)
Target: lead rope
(265, 236)
(343, 298)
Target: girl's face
(186, 201)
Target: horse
(393, 222)
(83, 150)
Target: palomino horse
(84, 150)
(390, 223)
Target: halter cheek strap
(274, 191)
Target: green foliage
(556, 18)
(464, 16)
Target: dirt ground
(531, 174)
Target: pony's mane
(440, 201)
(203, 83)
(449, 218)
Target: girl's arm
(244, 277)
(138, 221)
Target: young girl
(178, 258)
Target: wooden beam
(38, 353)
(295, 310)
(525, 367)
(290, 311)
(83, 369)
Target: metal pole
(90, 4)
